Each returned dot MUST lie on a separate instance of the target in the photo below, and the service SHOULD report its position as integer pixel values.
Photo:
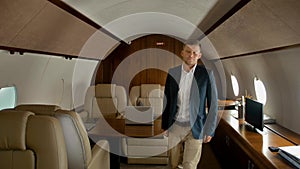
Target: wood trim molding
(21, 51)
(262, 51)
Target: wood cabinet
(228, 151)
(237, 147)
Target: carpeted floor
(208, 161)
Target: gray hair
(192, 42)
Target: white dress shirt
(183, 102)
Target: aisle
(208, 161)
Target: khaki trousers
(183, 148)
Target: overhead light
(160, 43)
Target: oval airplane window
(8, 97)
(235, 85)
(260, 91)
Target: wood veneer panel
(157, 59)
(252, 144)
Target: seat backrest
(88, 102)
(75, 136)
(39, 109)
(138, 115)
(148, 95)
(31, 141)
(105, 100)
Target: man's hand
(206, 139)
(165, 133)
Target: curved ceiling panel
(128, 20)
(54, 30)
(105, 11)
(258, 26)
(15, 15)
(287, 11)
(42, 27)
(129, 27)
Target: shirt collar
(192, 70)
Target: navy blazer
(203, 92)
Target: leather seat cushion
(17, 159)
(13, 129)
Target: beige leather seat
(148, 95)
(138, 115)
(104, 100)
(79, 153)
(31, 141)
(147, 150)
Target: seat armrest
(83, 115)
(124, 146)
(100, 156)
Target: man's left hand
(207, 139)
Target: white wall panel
(280, 73)
(45, 79)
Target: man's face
(190, 54)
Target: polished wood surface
(254, 144)
(116, 127)
(292, 136)
(139, 130)
(148, 54)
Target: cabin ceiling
(129, 19)
(260, 25)
(43, 26)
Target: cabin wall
(279, 71)
(146, 60)
(42, 79)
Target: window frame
(14, 102)
(235, 85)
(260, 90)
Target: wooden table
(114, 127)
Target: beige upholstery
(138, 115)
(31, 141)
(148, 95)
(146, 150)
(104, 100)
(79, 153)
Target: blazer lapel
(176, 74)
(195, 95)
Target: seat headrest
(105, 90)
(39, 109)
(13, 129)
(150, 90)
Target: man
(189, 89)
